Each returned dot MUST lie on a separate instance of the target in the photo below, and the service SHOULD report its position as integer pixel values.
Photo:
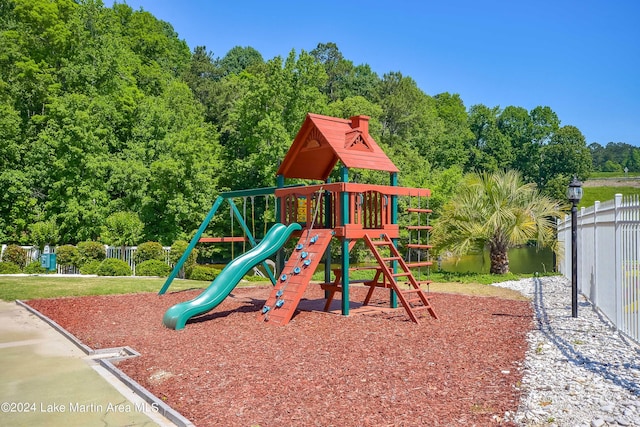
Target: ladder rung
(419, 227)
(381, 243)
(416, 246)
(401, 274)
(393, 258)
(419, 210)
(419, 264)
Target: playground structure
(318, 213)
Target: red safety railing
(369, 207)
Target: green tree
(566, 154)
(451, 146)
(496, 212)
(239, 59)
(123, 229)
(262, 123)
(490, 149)
(44, 233)
(336, 67)
(409, 115)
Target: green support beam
(393, 298)
(192, 245)
(344, 219)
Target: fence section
(33, 255)
(608, 247)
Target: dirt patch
(227, 368)
(613, 182)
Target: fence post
(618, 257)
(595, 261)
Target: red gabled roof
(323, 140)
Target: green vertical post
(279, 214)
(192, 245)
(327, 224)
(344, 220)
(393, 298)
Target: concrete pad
(46, 380)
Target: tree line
(105, 110)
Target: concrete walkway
(46, 380)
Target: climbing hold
(279, 293)
(314, 239)
(265, 309)
(279, 303)
(296, 270)
(307, 262)
(303, 255)
(299, 246)
(283, 277)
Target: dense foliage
(105, 111)
(615, 157)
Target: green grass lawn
(603, 194)
(595, 175)
(31, 287)
(43, 286)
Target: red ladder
(414, 299)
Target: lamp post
(574, 194)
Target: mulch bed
(228, 369)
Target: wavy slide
(176, 317)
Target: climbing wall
(295, 277)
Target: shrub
(113, 267)
(148, 251)
(153, 267)
(35, 268)
(16, 255)
(202, 272)
(67, 256)
(8, 267)
(91, 267)
(177, 249)
(90, 251)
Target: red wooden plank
(222, 239)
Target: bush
(177, 249)
(153, 267)
(90, 251)
(148, 251)
(202, 272)
(16, 255)
(8, 267)
(35, 268)
(91, 267)
(114, 267)
(67, 256)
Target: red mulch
(321, 369)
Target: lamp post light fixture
(574, 194)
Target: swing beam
(228, 196)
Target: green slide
(176, 317)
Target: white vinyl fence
(33, 255)
(608, 247)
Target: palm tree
(497, 211)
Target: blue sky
(579, 57)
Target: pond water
(521, 260)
